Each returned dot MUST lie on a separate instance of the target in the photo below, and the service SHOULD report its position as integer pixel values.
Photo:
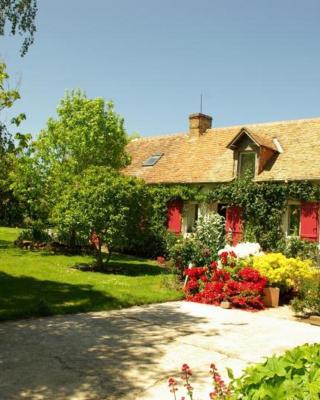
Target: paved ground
(130, 354)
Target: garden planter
(271, 296)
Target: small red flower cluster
(221, 390)
(213, 285)
(228, 258)
(185, 375)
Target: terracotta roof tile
(207, 159)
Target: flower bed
(227, 280)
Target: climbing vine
(263, 204)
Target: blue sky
(253, 60)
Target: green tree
(103, 202)
(20, 16)
(10, 209)
(7, 100)
(87, 132)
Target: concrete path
(130, 354)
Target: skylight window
(152, 160)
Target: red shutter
(234, 224)
(174, 216)
(309, 221)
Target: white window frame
(189, 219)
(203, 209)
(286, 216)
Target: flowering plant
(286, 273)
(243, 250)
(241, 286)
(221, 390)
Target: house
(270, 152)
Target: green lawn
(34, 283)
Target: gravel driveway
(130, 354)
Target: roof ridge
(289, 121)
(162, 136)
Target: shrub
(201, 247)
(183, 251)
(286, 273)
(308, 298)
(294, 375)
(296, 247)
(36, 233)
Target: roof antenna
(201, 103)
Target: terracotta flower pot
(271, 296)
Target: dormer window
(152, 160)
(247, 164)
(250, 149)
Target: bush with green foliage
(35, 233)
(183, 251)
(308, 297)
(292, 376)
(200, 247)
(306, 250)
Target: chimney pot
(198, 124)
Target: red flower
(228, 258)
(192, 285)
(214, 265)
(195, 272)
(204, 278)
(161, 260)
(221, 275)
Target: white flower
(243, 250)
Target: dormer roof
(259, 140)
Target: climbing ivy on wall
(263, 204)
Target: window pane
(247, 164)
(192, 216)
(294, 220)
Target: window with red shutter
(309, 224)
(174, 216)
(234, 224)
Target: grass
(35, 283)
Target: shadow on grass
(26, 296)
(119, 264)
(5, 244)
(92, 356)
(131, 266)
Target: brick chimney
(198, 124)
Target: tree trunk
(99, 257)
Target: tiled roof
(190, 159)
